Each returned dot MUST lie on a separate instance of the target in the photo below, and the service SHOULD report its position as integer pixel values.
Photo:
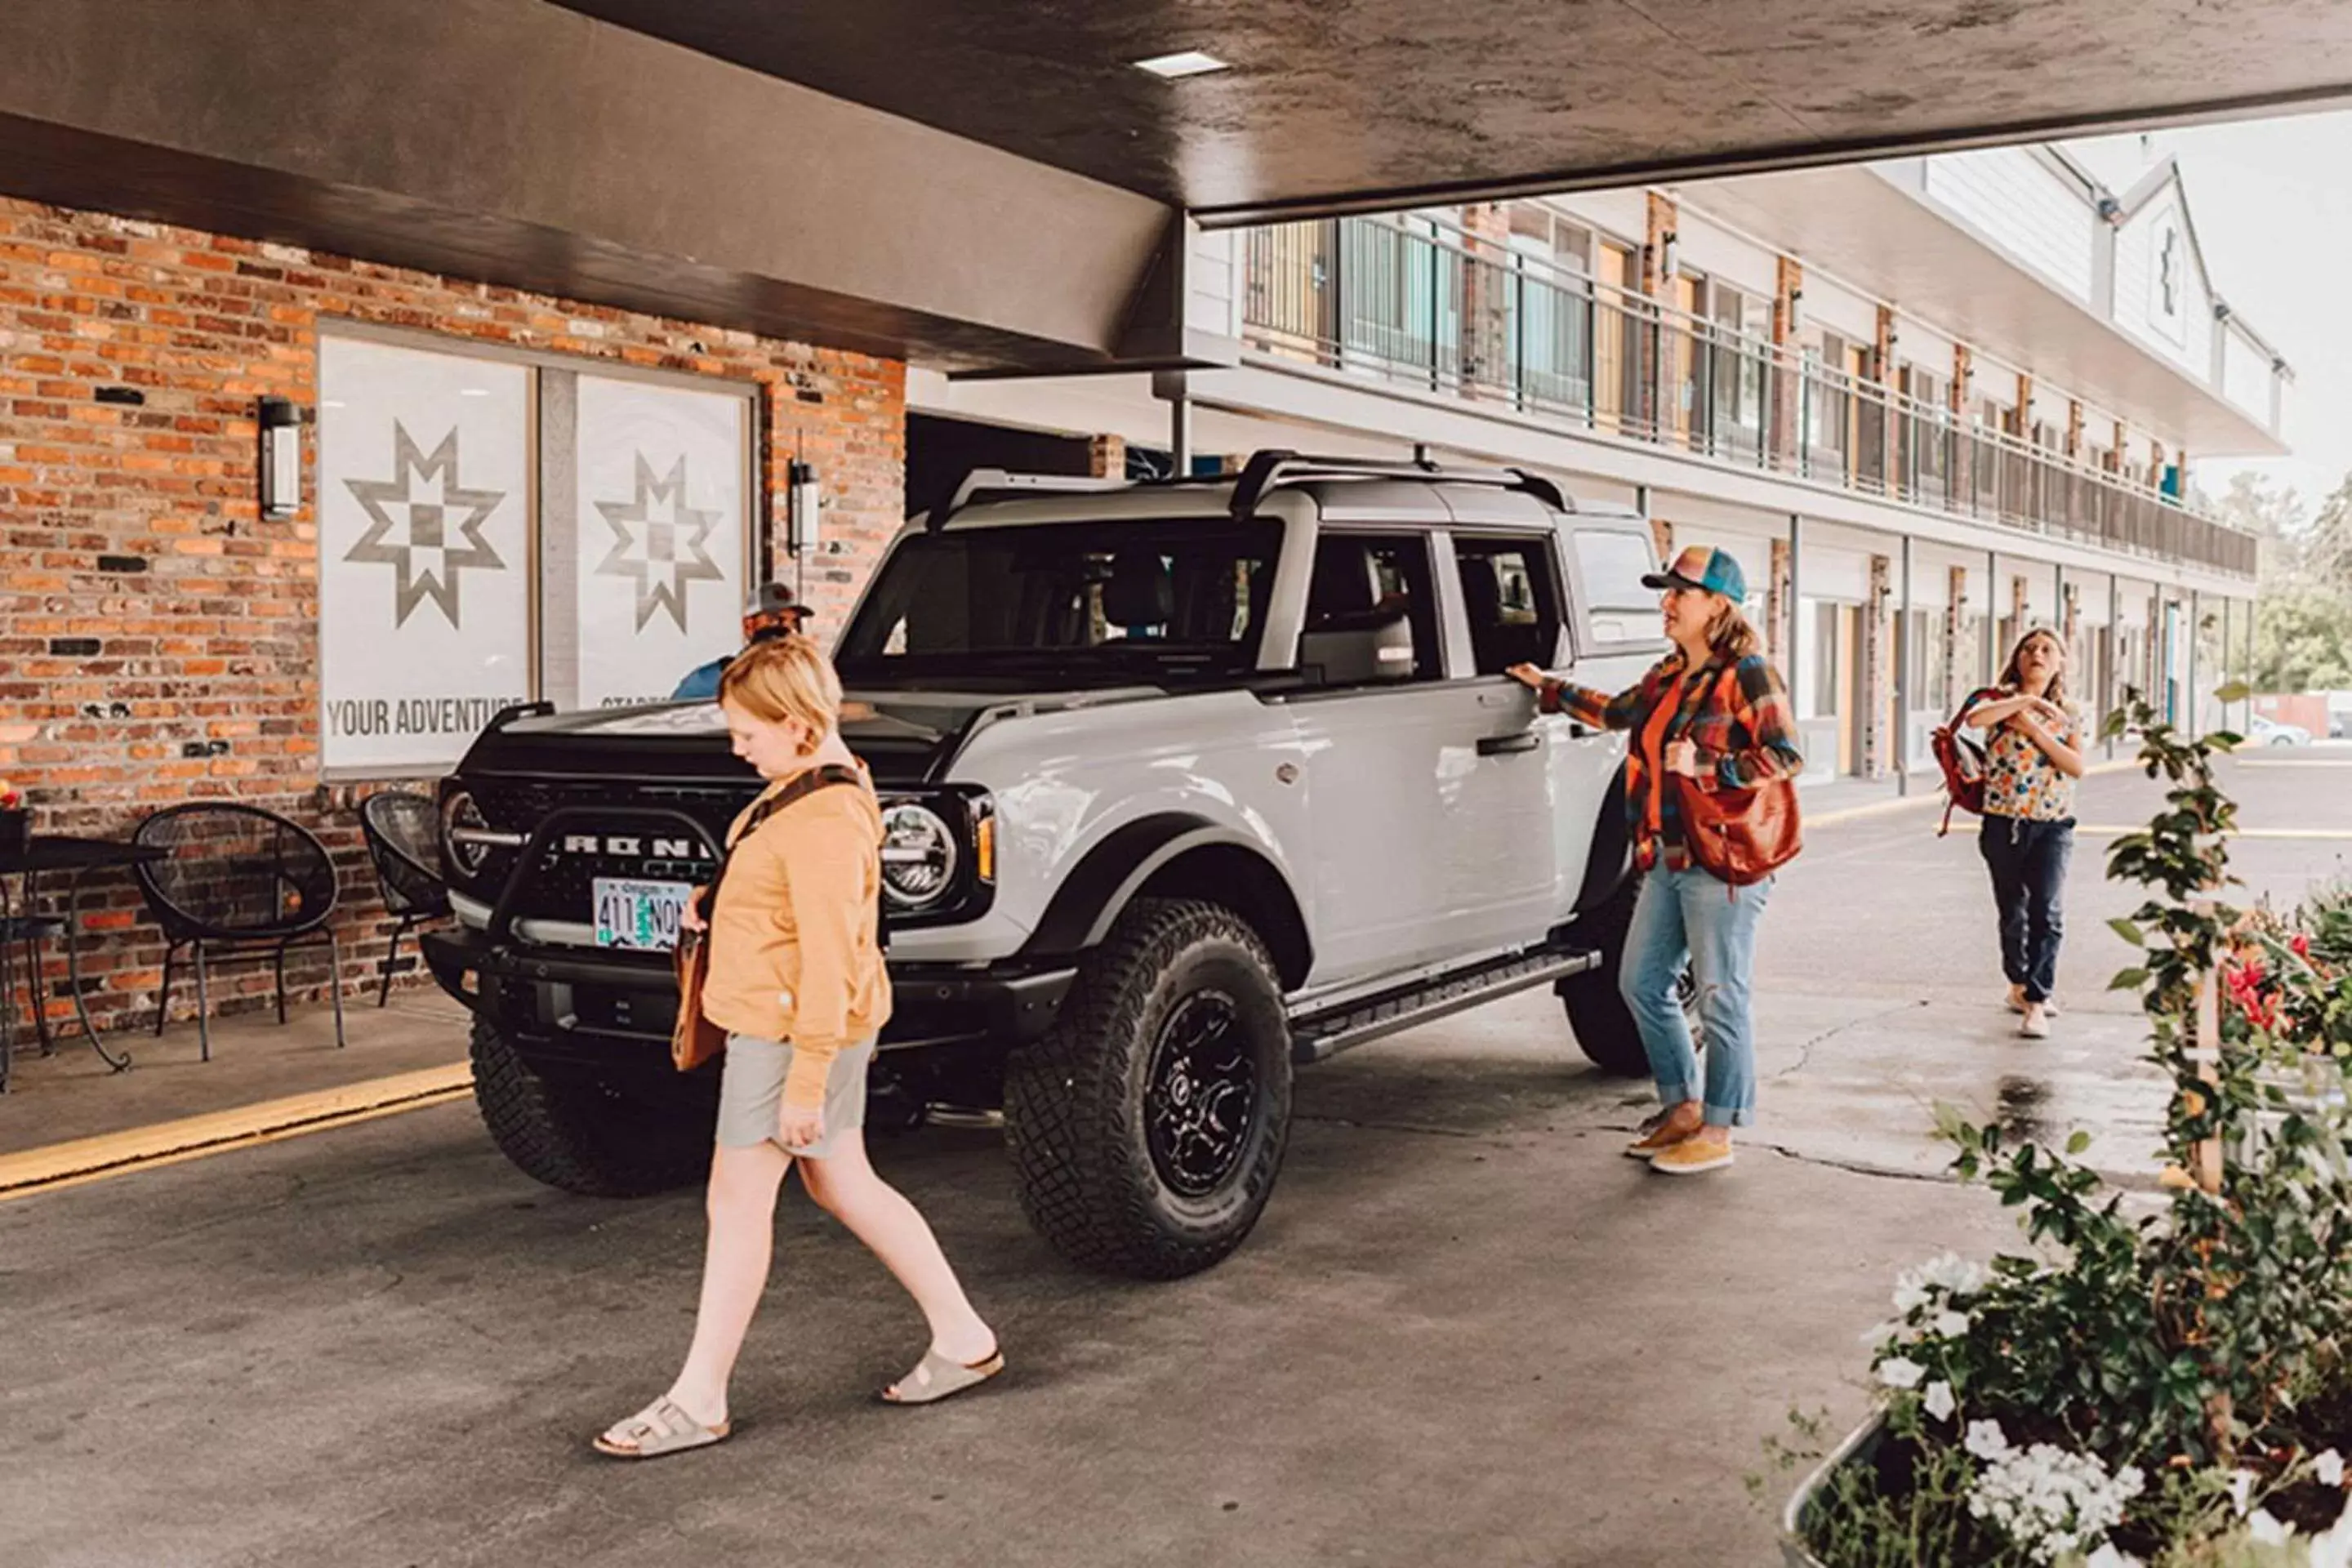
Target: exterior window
(1364, 582)
(1511, 603)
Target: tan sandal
(936, 1377)
(661, 1428)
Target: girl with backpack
(1714, 741)
(796, 978)
(2032, 757)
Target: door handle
(1504, 746)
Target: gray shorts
(752, 1094)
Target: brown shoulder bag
(693, 1039)
(1741, 835)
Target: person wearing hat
(1714, 711)
(773, 613)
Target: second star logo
(658, 540)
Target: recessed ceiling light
(473, 392)
(1188, 62)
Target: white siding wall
(1213, 299)
(1624, 215)
(1215, 303)
(1840, 310)
(2031, 211)
(2245, 375)
(1706, 249)
(2187, 340)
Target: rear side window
(1511, 600)
(1611, 564)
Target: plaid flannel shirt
(1746, 731)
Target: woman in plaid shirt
(1714, 711)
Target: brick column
(1788, 432)
(2074, 429)
(1956, 631)
(1882, 371)
(1485, 301)
(1106, 457)
(1778, 607)
(1878, 744)
(1662, 218)
(1664, 533)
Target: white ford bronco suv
(1185, 783)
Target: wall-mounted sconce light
(281, 458)
(1796, 310)
(803, 499)
(1669, 254)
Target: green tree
(2303, 626)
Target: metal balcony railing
(1435, 308)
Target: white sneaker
(2036, 1026)
(2016, 1002)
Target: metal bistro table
(75, 858)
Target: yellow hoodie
(795, 954)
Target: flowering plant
(2148, 1384)
(11, 797)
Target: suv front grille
(560, 886)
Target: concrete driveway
(1467, 1331)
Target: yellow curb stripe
(2293, 833)
(1932, 795)
(56, 1165)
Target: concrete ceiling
(1360, 104)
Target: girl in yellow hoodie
(797, 980)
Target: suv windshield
(1173, 597)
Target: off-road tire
(1597, 1014)
(584, 1137)
(1075, 1102)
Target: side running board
(1315, 1036)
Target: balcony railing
(1437, 310)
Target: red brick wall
(158, 639)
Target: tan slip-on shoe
(1692, 1156)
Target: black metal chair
(234, 879)
(403, 839)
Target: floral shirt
(2019, 778)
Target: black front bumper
(618, 1008)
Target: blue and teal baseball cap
(1709, 571)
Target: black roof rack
(1264, 470)
(1276, 465)
(1001, 484)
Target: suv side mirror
(1369, 647)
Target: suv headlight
(919, 856)
(466, 838)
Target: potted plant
(2158, 1378)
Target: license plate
(641, 915)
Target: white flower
(1951, 1325)
(2242, 1486)
(1950, 1272)
(1900, 1372)
(1985, 1440)
(2269, 1532)
(2109, 1556)
(2329, 1469)
(1939, 1401)
(1879, 1334)
(2050, 1501)
(1910, 1295)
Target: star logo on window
(658, 540)
(424, 525)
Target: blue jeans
(2028, 860)
(1690, 917)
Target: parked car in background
(2265, 732)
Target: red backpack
(1962, 758)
